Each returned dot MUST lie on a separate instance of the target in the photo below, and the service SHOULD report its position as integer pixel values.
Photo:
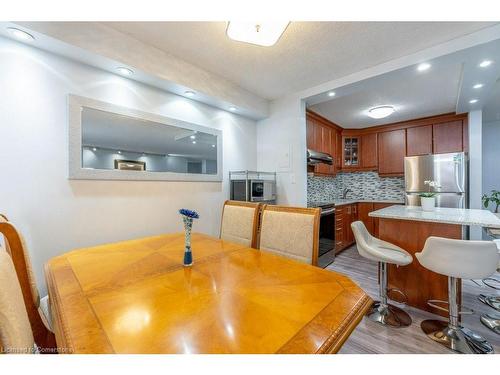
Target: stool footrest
(433, 303)
(491, 281)
(399, 291)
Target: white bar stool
(457, 259)
(383, 252)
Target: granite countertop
(460, 216)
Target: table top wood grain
(136, 297)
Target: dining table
(136, 296)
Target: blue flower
(189, 213)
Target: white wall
(281, 147)
(491, 157)
(56, 214)
(475, 166)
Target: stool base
(492, 321)
(461, 340)
(491, 301)
(389, 315)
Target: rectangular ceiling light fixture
(259, 33)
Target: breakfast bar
(409, 227)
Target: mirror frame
(77, 172)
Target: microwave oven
(253, 190)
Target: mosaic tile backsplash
(363, 185)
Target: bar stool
(383, 252)
(492, 321)
(457, 259)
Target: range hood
(316, 157)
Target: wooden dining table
(137, 297)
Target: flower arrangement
(187, 218)
(431, 184)
(493, 198)
(189, 213)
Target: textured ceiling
(448, 86)
(308, 54)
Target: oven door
(327, 231)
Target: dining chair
(37, 308)
(240, 222)
(16, 336)
(292, 232)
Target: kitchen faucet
(344, 192)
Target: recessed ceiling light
(20, 34)
(381, 111)
(472, 101)
(189, 93)
(485, 63)
(424, 66)
(331, 93)
(194, 142)
(232, 108)
(94, 149)
(213, 145)
(477, 86)
(124, 71)
(260, 33)
(192, 136)
(119, 152)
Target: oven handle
(327, 212)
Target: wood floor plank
(370, 337)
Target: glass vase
(188, 255)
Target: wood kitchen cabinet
(448, 137)
(323, 138)
(368, 151)
(391, 152)
(419, 140)
(350, 152)
(344, 216)
(364, 208)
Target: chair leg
(451, 334)
(384, 313)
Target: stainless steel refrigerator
(449, 170)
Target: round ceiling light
(472, 101)
(124, 71)
(381, 111)
(477, 86)
(331, 93)
(20, 34)
(485, 63)
(423, 67)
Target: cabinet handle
(349, 210)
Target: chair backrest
(363, 240)
(292, 232)
(240, 222)
(459, 258)
(15, 328)
(16, 248)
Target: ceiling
(308, 54)
(113, 131)
(447, 86)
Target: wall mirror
(118, 143)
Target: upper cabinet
(419, 140)
(448, 137)
(368, 152)
(383, 148)
(350, 152)
(391, 152)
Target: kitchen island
(409, 227)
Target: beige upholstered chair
(239, 222)
(15, 329)
(292, 232)
(37, 308)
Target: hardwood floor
(370, 337)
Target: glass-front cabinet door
(350, 152)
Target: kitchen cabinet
(368, 151)
(419, 140)
(391, 149)
(378, 206)
(350, 152)
(448, 137)
(322, 138)
(344, 216)
(364, 208)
